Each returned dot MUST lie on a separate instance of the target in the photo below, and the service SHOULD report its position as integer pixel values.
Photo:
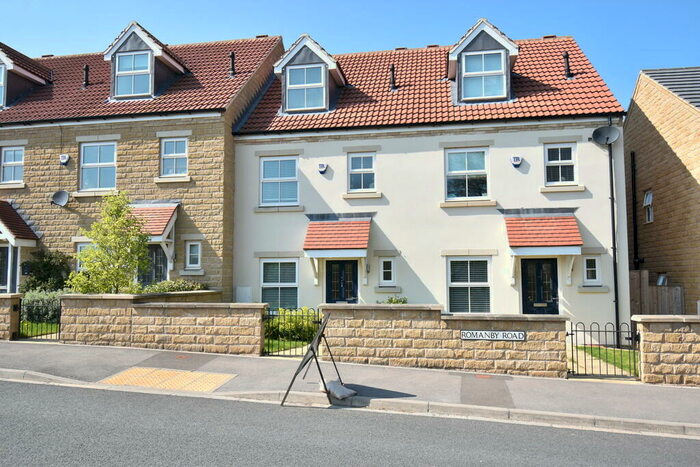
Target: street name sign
(492, 335)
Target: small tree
(119, 250)
(48, 271)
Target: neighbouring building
(662, 152)
(463, 175)
(144, 117)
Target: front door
(540, 286)
(341, 281)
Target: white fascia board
(19, 242)
(107, 119)
(351, 253)
(10, 66)
(546, 251)
(5, 60)
(306, 41)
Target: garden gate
(40, 320)
(603, 351)
(288, 332)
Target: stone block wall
(669, 349)
(419, 336)
(234, 328)
(9, 315)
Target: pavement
(617, 405)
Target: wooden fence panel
(647, 299)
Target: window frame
(98, 165)
(278, 179)
(288, 86)
(186, 156)
(149, 72)
(465, 74)
(352, 171)
(3, 164)
(573, 162)
(466, 173)
(80, 246)
(450, 284)
(382, 281)
(3, 84)
(592, 282)
(648, 205)
(188, 264)
(278, 285)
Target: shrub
(40, 305)
(394, 300)
(292, 325)
(48, 270)
(178, 285)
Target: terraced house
(464, 175)
(144, 117)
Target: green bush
(178, 285)
(48, 270)
(41, 306)
(292, 325)
(395, 300)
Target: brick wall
(669, 349)
(664, 132)
(419, 336)
(9, 315)
(117, 320)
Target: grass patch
(277, 345)
(624, 359)
(29, 329)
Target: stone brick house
(463, 175)
(151, 119)
(662, 156)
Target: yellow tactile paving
(179, 380)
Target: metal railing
(40, 320)
(603, 351)
(288, 332)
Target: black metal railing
(603, 351)
(40, 320)
(288, 332)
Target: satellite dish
(606, 135)
(60, 198)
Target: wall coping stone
(666, 318)
(11, 295)
(378, 307)
(205, 306)
(138, 297)
(503, 317)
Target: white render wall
(409, 169)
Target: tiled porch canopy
(159, 222)
(337, 239)
(13, 228)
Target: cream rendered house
(461, 175)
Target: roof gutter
(113, 118)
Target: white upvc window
(387, 272)
(132, 76)
(78, 248)
(466, 174)
(173, 157)
(193, 255)
(278, 279)
(98, 168)
(3, 73)
(648, 204)
(12, 164)
(591, 270)
(306, 87)
(484, 75)
(469, 284)
(279, 185)
(361, 171)
(560, 164)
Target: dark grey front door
(540, 286)
(341, 281)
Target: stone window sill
(261, 209)
(93, 194)
(12, 185)
(192, 272)
(387, 289)
(593, 289)
(179, 179)
(363, 195)
(468, 204)
(562, 188)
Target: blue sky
(620, 37)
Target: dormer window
(483, 75)
(133, 74)
(306, 87)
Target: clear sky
(619, 36)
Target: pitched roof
(424, 95)
(207, 87)
(543, 231)
(683, 82)
(14, 222)
(337, 235)
(155, 218)
(134, 26)
(25, 62)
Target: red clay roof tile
(14, 222)
(25, 62)
(155, 219)
(337, 235)
(543, 231)
(424, 94)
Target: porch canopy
(14, 229)
(159, 222)
(550, 235)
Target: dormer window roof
(24, 69)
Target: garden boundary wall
(9, 315)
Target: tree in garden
(48, 271)
(118, 251)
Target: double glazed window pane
(133, 84)
(560, 173)
(98, 169)
(193, 254)
(280, 297)
(279, 192)
(174, 157)
(132, 62)
(463, 161)
(473, 183)
(12, 165)
(12, 173)
(276, 184)
(305, 98)
(362, 172)
(175, 166)
(475, 271)
(98, 154)
(305, 88)
(483, 86)
(480, 63)
(97, 178)
(302, 76)
(286, 168)
(279, 273)
(469, 300)
(560, 165)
